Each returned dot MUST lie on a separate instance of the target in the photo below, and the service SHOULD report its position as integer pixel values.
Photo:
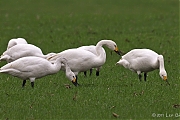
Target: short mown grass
(58, 25)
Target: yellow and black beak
(74, 81)
(165, 79)
(117, 51)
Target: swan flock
(27, 61)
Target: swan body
(80, 60)
(143, 60)
(22, 50)
(92, 48)
(33, 67)
(16, 41)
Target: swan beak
(167, 82)
(116, 50)
(165, 78)
(74, 81)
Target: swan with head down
(144, 60)
(33, 67)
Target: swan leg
(140, 76)
(145, 76)
(97, 73)
(32, 84)
(90, 72)
(85, 73)
(24, 82)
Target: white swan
(16, 41)
(143, 60)
(35, 67)
(92, 49)
(22, 50)
(80, 60)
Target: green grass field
(58, 25)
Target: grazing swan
(143, 60)
(22, 50)
(35, 67)
(92, 49)
(16, 41)
(80, 60)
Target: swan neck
(66, 66)
(101, 43)
(161, 63)
(99, 48)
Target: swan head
(163, 75)
(71, 76)
(74, 81)
(112, 45)
(117, 51)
